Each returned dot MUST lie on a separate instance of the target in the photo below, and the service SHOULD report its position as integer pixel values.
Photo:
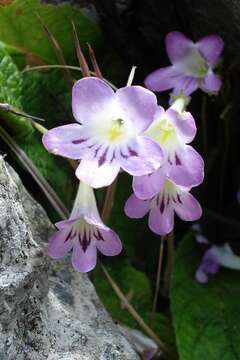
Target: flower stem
(157, 286)
(204, 125)
(169, 266)
(108, 201)
(75, 68)
(135, 315)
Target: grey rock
(47, 310)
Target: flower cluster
(127, 130)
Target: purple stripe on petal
(177, 160)
(102, 158)
(98, 236)
(84, 240)
(149, 157)
(132, 152)
(179, 199)
(79, 141)
(162, 206)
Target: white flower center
(163, 132)
(194, 64)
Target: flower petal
(95, 220)
(145, 157)
(211, 48)
(59, 244)
(91, 99)
(136, 208)
(189, 170)
(110, 244)
(60, 225)
(210, 263)
(161, 223)
(65, 141)
(84, 261)
(178, 46)
(201, 276)
(211, 83)
(163, 79)
(97, 176)
(188, 208)
(184, 124)
(186, 85)
(138, 106)
(145, 187)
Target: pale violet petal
(188, 170)
(187, 207)
(142, 157)
(161, 223)
(163, 79)
(138, 106)
(60, 244)
(110, 245)
(145, 187)
(97, 176)
(178, 46)
(211, 83)
(92, 98)
(136, 208)
(211, 48)
(65, 140)
(84, 261)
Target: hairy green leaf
(11, 93)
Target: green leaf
(11, 93)
(21, 28)
(206, 317)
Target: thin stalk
(81, 58)
(159, 271)
(108, 201)
(93, 58)
(9, 108)
(75, 68)
(134, 313)
(204, 125)
(131, 76)
(169, 266)
(58, 51)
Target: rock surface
(48, 311)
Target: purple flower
(215, 257)
(84, 233)
(110, 135)
(173, 130)
(171, 199)
(192, 65)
